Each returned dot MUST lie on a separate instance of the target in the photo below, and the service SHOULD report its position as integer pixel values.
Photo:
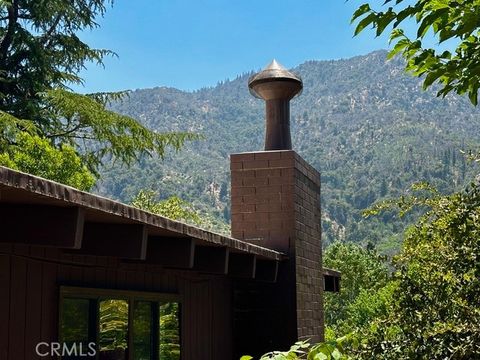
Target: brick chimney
(276, 204)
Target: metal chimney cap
(275, 72)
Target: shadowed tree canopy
(41, 53)
(455, 21)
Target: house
(85, 277)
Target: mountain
(362, 122)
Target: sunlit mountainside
(366, 125)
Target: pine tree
(41, 53)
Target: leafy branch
(448, 20)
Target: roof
(18, 187)
(90, 219)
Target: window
(118, 325)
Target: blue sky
(189, 44)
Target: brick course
(276, 204)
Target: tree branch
(47, 36)
(66, 133)
(20, 17)
(7, 39)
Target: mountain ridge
(362, 122)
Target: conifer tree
(41, 55)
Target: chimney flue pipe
(277, 86)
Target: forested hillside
(362, 122)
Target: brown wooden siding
(30, 279)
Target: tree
(436, 314)
(35, 155)
(170, 331)
(456, 21)
(176, 208)
(173, 207)
(40, 49)
(431, 309)
(40, 55)
(364, 276)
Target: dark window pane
(76, 330)
(169, 329)
(113, 334)
(142, 330)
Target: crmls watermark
(45, 349)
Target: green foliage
(74, 320)
(421, 196)
(447, 20)
(173, 207)
(370, 304)
(40, 50)
(113, 319)
(169, 331)
(431, 309)
(329, 350)
(83, 122)
(436, 314)
(35, 155)
(362, 296)
(40, 55)
(297, 351)
(177, 209)
(10, 126)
